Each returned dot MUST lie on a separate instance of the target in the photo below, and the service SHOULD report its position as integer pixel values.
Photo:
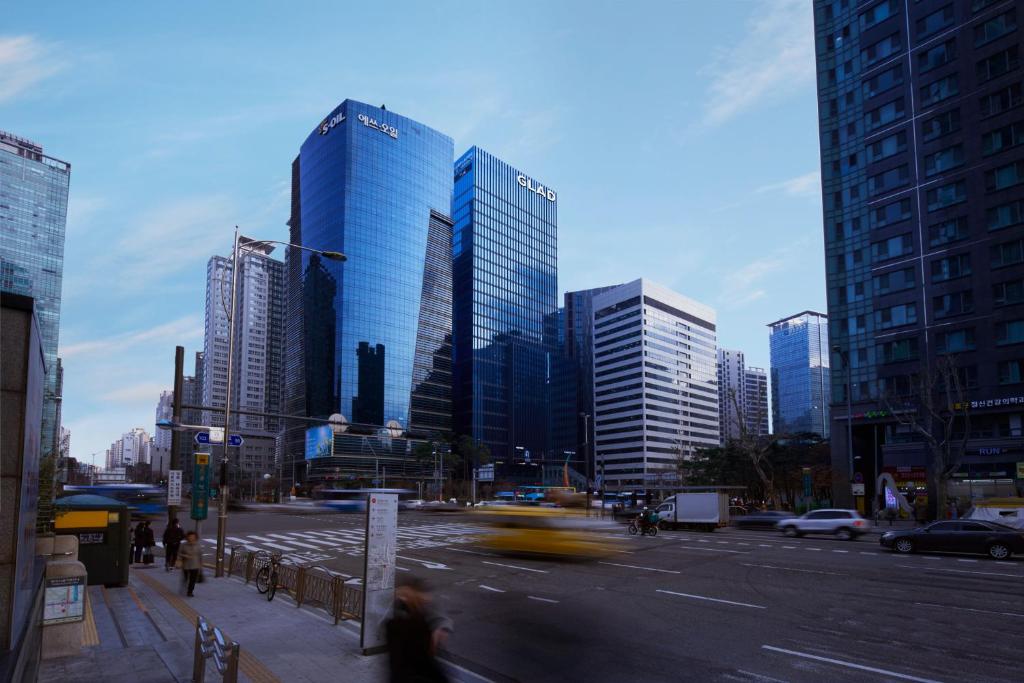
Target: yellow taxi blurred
(551, 532)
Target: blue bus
(144, 500)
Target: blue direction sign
(200, 486)
(233, 439)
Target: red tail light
(859, 522)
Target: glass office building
(800, 374)
(504, 255)
(369, 338)
(921, 117)
(33, 218)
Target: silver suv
(844, 524)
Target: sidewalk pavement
(146, 632)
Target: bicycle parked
(266, 577)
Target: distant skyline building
(369, 338)
(920, 123)
(756, 400)
(164, 411)
(655, 383)
(33, 220)
(131, 449)
(799, 351)
(504, 252)
(256, 370)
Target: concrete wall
(22, 375)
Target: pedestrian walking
(173, 536)
(131, 545)
(149, 542)
(191, 554)
(415, 632)
(139, 541)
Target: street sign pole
(176, 402)
(378, 569)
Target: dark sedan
(761, 519)
(965, 536)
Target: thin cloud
(806, 185)
(188, 327)
(24, 62)
(741, 285)
(774, 57)
(143, 392)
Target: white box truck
(704, 511)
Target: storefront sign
(857, 489)
(382, 127)
(536, 189)
(990, 403)
(64, 599)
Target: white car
(844, 524)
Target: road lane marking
(704, 597)
(650, 569)
(817, 550)
(966, 560)
(470, 552)
(971, 609)
(703, 540)
(840, 551)
(742, 544)
(862, 552)
(427, 564)
(792, 569)
(715, 550)
(493, 590)
(722, 542)
(935, 559)
(961, 571)
(852, 665)
(763, 545)
(512, 566)
(789, 547)
(534, 597)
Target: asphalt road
(688, 606)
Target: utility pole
(222, 507)
(586, 454)
(179, 372)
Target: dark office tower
(376, 186)
(368, 404)
(505, 304)
(579, 347)
(921, 110)
(33, 217)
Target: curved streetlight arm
(332, 255)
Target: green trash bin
(101, 525)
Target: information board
(64, 599)
(200, 486)
(378, 569)
(174, 487)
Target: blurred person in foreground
(415, 633)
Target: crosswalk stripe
(271, 543)
(294, 542)
(340, 539)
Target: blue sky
(681, 138)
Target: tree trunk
(936, 489)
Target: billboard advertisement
(319, 442)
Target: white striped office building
(655, 384)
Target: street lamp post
(845, 357)
(222, 507)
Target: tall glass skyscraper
(504, 254)
(920, 112)
(370, 338)
(33, 218)
(800, 374)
